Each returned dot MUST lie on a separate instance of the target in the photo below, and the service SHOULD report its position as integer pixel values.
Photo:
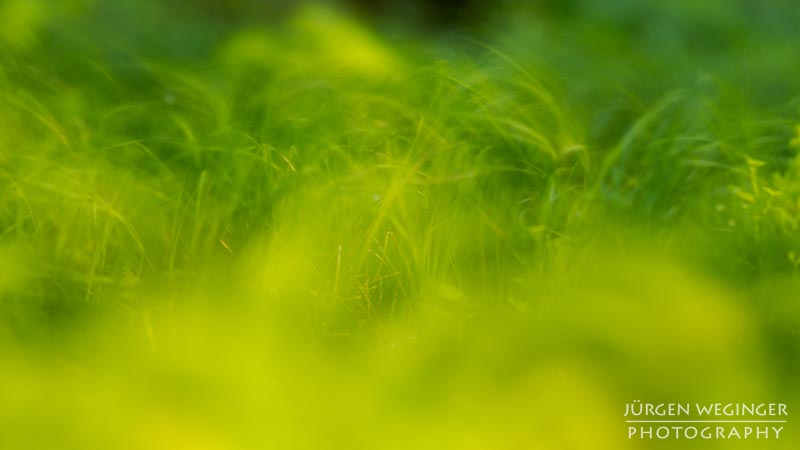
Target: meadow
(247, 225)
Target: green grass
(317, 235)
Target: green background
(378, 225)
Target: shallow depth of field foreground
(251, 225)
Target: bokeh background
(240, 224)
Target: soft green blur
(253, 225)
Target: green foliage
(226, 194)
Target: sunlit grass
(312, 236)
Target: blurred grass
(247, 225)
